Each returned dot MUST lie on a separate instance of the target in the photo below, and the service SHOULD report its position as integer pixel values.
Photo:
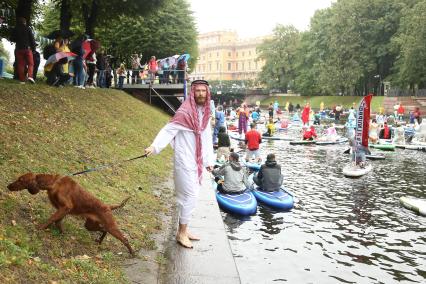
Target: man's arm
(164, 137)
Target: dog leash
(108, 165)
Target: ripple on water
(341, 230)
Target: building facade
(223, 56)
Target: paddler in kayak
(269, 177)
(309, 134)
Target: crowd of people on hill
(83, 63)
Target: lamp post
(380, 83)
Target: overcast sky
(254, 18)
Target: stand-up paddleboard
(375, 157)
(240, 203)
(252, 166)
(236, 136)
(354, 171)
(338, 141)
(383, 147)
(281, 200)
(372, 156)
(412, 147)
(417, 205)
(277, 138)
(302, 142)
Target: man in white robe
(189, 133)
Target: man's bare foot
(193, 237)
(184, 241)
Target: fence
(406, 93)
(139, 76)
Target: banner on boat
(363, 122)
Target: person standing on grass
(25, 46)
(189, 133)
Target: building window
(217, 54)
(204, 58)
(210, 67)
(242, 54)
(217, 65)
(236, 66)
(229, 54)
(236, 54)
(249, 63)
(210, 55)
(249, 52)
(242, 66)
(229, 66)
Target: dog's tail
(113, 207)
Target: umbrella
(90, 46)
(185, 57)
(58, 33)
(60, 55)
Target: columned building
(223, 56)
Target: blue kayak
(241, 203)
(281, 200)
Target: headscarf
(187, 116)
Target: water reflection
(341, 230)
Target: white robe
(182, 141)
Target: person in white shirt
(189, 133)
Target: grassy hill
(66, 130)
(329, 101)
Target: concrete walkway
(211, 259)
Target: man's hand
(149, 150)
(209, 168)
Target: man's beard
(200, 101)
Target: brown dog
(68, 197)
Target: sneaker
(31, 80)
(82, 87)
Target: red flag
(363, 122)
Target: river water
(341, 230)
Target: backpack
(48, 51)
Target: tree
(166, 31)
(279, 53)
(410, 44)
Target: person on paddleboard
(231, 178)
(269, 177)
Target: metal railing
(171, 76)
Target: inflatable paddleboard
(338, 141)
(280, 200)
(241, 203)
(417, 205)
(383, 147)
(302, 142)
(375, 157)
(252, 166)
(354, 171)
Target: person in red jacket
(305, 114)
(309, 134)
(401, 112)
(253, 140)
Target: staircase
(409, 103)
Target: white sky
(250, 18)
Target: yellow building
(223, 56)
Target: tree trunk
(24, 9)
(90, 17)
(65, 17)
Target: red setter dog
(68, 197)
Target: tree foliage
(166, 31)
(350, 47)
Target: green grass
(51, 130)
(329, 101)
